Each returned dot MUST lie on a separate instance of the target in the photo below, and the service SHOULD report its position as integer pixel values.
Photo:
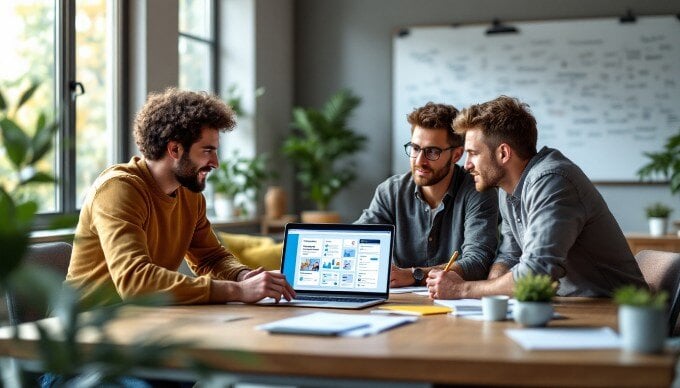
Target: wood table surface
(436, 349)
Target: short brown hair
(178, 115)
(436, 116)
(502, 120)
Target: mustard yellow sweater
(133, 236)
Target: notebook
(337, 265)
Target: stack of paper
(335, 324)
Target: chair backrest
(53, 256)
(661, 271)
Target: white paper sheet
(559, 338)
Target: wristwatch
(418, 275)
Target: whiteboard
(603, 92)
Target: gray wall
(348, 43)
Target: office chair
(661, 271)
(53, 256)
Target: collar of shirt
(455, 183)
(517, 193)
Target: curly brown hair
(178, 115)
(502, 120)
(436, 116)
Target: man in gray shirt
(555, 222)
(435, 207)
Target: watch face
(418, 274)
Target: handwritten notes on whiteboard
(603, 92)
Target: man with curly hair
(435, 207)
(141, 219)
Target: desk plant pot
(642, 319)
(532, 314)
(534, 295)
(642, 328)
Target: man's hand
(259, 284)
(401, 277)
(444, 285)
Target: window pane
(27, 29)
(195, 65)
(94, 137)
(194, 18)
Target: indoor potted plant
(657, 214)
(665, 164)
(534, 295)
(642, 319)
(320, 140)
(236, 182)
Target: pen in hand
(451, 261)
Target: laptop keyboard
(330, 298)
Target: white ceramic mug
(495, 307)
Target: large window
(70, 47)
(197, 45)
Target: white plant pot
(642, 329)
(532, 313)
(224, 207)
(657, 226)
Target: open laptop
(337, 265)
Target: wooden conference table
(435, 349)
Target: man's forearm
(498, 270)
(501, 285)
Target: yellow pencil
(451, 261)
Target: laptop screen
(338, 257)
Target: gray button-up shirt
(467, 221)
(557, 223)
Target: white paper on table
(565, 338)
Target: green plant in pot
(318, 147)
(665, 164)
(534, 294)
(642, 318)
(657, 214)
(237, 181)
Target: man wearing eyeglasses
(435, 207)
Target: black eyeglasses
(431, 153)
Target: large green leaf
(27, 94)
(42, 141)
(16, 142)
(38, 177)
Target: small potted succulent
(658, 213)
(642, 319)
(534, 294)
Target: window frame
(65, 86)
(212, 44)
